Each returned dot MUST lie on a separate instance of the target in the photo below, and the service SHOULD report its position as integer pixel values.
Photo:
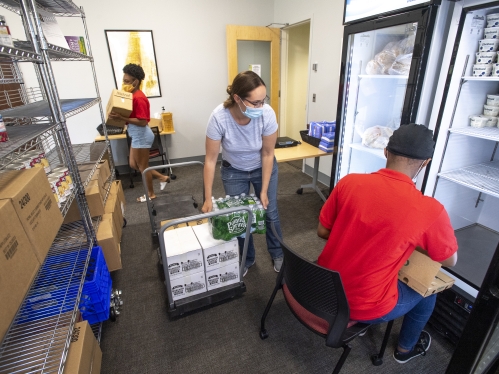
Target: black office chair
(316, 297)
(156, 150)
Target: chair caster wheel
(112, 315)
(154, 212)
(299, 191)
(173, 176)
(264, 334)
(124, 222)
(377, 361)
(195, 205)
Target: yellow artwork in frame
(134, 47)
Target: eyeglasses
(259, 103)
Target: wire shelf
(24, 138)
(60, 8)
(40, 111)
(490, 133)
(10, 73)
(482, 177)
(374, 151)
(56, 53)
(19, 97)
(39, 345)
(18, 54)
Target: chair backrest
(156, 144)
(318, 290)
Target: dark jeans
(237, 182)
(416, 310)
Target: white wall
(326, 40)
(191, 52)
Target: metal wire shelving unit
(41, 345)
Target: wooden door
(237, 33)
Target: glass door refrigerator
(464, 177)
(390, 61)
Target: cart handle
(158, 167)
(194, 218)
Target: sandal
(162, 185)
(143, 199)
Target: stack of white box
(221, 258)
(185, 263)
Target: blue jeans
(416, 310)
(237, 182)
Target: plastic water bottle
(261, 216)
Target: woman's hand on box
(116, 116)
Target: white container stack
(221, 258)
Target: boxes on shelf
(33, 200)
(18, 265)
(223, 275)
(120, 102)
(121, 195)
(108, 241)
(184, 253)
(216, 253)
(84, 354)
(113, 207)
(423, 275)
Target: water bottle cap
(243, 194)
(227, 196)
(252, 194)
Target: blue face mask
(251, 113)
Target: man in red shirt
(373, 223)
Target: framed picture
(134, 47)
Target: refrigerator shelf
(374, 151)
(482, 177)
(383, 76)
(483, 79)
(489, 133)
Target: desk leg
(315, 175)
(165, 149)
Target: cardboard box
(423, 275)
(183, 251)
(83, 351)
(178, 225)
(222, 276)
(95, 201)
(198, 222)
(188, 285)
(121, 195)
(113, 207)
(216, 252)
(154, 122)
(120, 102)
(107, 238)
(31, 196)
(18, 265)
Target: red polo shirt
(376, 221)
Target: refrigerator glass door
(378, 66)
(465, 166)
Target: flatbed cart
(179, 307)
(166, 207)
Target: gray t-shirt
(241, 144)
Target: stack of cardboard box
(84, 354)
(196, 262)
(30, 221)
(110, 228)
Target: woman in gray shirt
(246, 128)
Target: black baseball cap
(412, 141)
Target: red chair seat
(311, 320)
(153, 153)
